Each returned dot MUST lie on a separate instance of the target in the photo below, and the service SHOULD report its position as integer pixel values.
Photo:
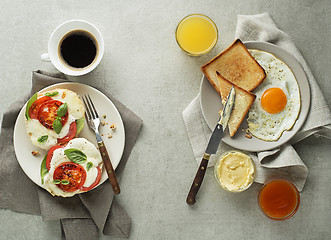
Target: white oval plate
(211, 104)
(115, 145)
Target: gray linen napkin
(81, 216)
(284, 161)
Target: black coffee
(78, 49)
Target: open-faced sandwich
(54, 117)
(71, 169)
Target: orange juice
(196, 34)
(279, 199)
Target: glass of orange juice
(279, 199)
(196, 34)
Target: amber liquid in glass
(279, 199)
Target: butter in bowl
(235, 171)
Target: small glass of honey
(196, 34)
(279, 199)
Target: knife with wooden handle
(213, 143)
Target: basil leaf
(64, 182)
(43, 169)
(75, 155)
(56, 181)
(80, 125)
(89, 165)
(62, 110)
(28, 105)
(51, 94)
(57, 125)
(42, 138)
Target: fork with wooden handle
(93, 122)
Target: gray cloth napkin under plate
(81, 216)
(284, 161)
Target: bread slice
(242, 103)
(236, 65)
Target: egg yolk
(273, 100)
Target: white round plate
(211, 104)
(115, 145)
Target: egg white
(93, 156)
(261, 124)
(75, 109)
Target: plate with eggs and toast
(272, 94)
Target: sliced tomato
(72, 172)
(50, 156)
(96, 182)
(34, 109)
(71, 134)
(48, 112)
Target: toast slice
(242, 103)
(236, 65)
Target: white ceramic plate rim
(115, 145)
(211, 104)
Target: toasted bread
(237, 66)
(242, 103)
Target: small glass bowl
(278, 197)
(218, 178)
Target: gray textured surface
(144, 68)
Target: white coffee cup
(60, 33)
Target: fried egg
(90, 168)
(277, 104)
(44, 137)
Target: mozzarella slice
(93, 156)
(35, 129)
